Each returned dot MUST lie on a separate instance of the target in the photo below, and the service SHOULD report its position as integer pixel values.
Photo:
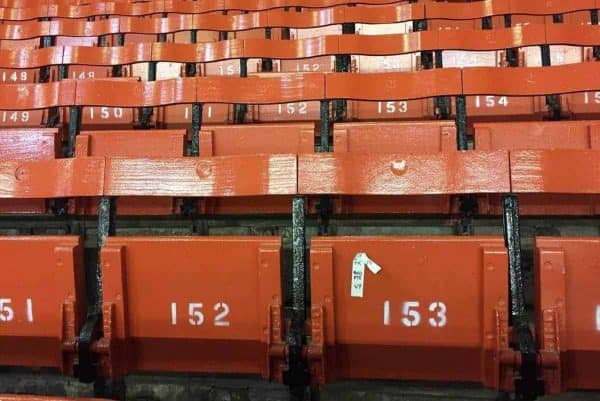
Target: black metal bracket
(75, 113)
(189, 206)
(86, 369)
(146, 113)
(196, 126)
(266, 64)
(512, 55)
(442, 103)
(324, 127)
(343, 63)
(467, 203)
(117, 70)
(45, 41)
(285, 32)
(468, 208)
(324, 208)
(53, 118)
(190, 68)
(594, 21)
(426, 56)
(429, 60)
(223, 34)
(297, 375)
(486, 23)
(240, 110)
(462, 138)
(528, 385)
(552, 101)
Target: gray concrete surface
(203, 388)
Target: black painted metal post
(324, 207)
(117, 70)
(240, 110)
(223, 34)
(190, 68)
(324, 127)
(512, 55)
(486, 23)
(552, 101)
(285, 32)
(147, 112)
(297, 375)
(45, 41)
(75, 113)
(86, 369)
(442, 103)
(189, 205)
(461, 123)
(528, 385)
(342, 64)
(594, 21)
(191, 71)
(266, 64)
(53, 112)
(468, 203)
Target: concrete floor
(195, 388)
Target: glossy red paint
(37, 316)
(568, 314)
(446, 173)
(243, 175)
(200, 326)
(407, 309)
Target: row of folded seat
(432, 308)
(580, 106)
(214, 305)
(395, 138)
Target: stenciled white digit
(196, 315)
(439, 308)
(412, 317)
(6, 311)
(223, 310)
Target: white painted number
(107, 112)
(29, 307)
(223, 310)
(595, 98)
(412, 317)
(440, 309)
(307, 67)
(598, 317)
(13, 76)
(196, 315)
(491, 101)
(293, 108)
(227, 70)
(392, 107)
(386, 313)
(186, 113)
(173, 313)
(6, 312)
(84, 75)
(15, 116)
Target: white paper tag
(357, 282)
